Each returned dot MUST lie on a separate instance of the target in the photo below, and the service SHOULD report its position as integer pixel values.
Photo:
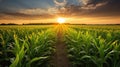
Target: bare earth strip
(60, 58)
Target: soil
(60, 58)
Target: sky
(45, 11)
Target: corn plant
(26, 46)
(98, 48)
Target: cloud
(21, 16)
(33, 11)
(83, 2)
(69, 8)
(60, 3)
(53, 10)
(87, 7)
(27, 14)
(94, 6)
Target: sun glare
(61, 20)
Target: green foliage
(26, 46)
(87, 46)
(92, 46)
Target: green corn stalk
(19, 53)
(101, 48)
(34, 59)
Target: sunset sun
(61, 20)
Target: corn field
(93, 46)
(26, 46)
(34, 45)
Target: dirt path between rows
(60, 57)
